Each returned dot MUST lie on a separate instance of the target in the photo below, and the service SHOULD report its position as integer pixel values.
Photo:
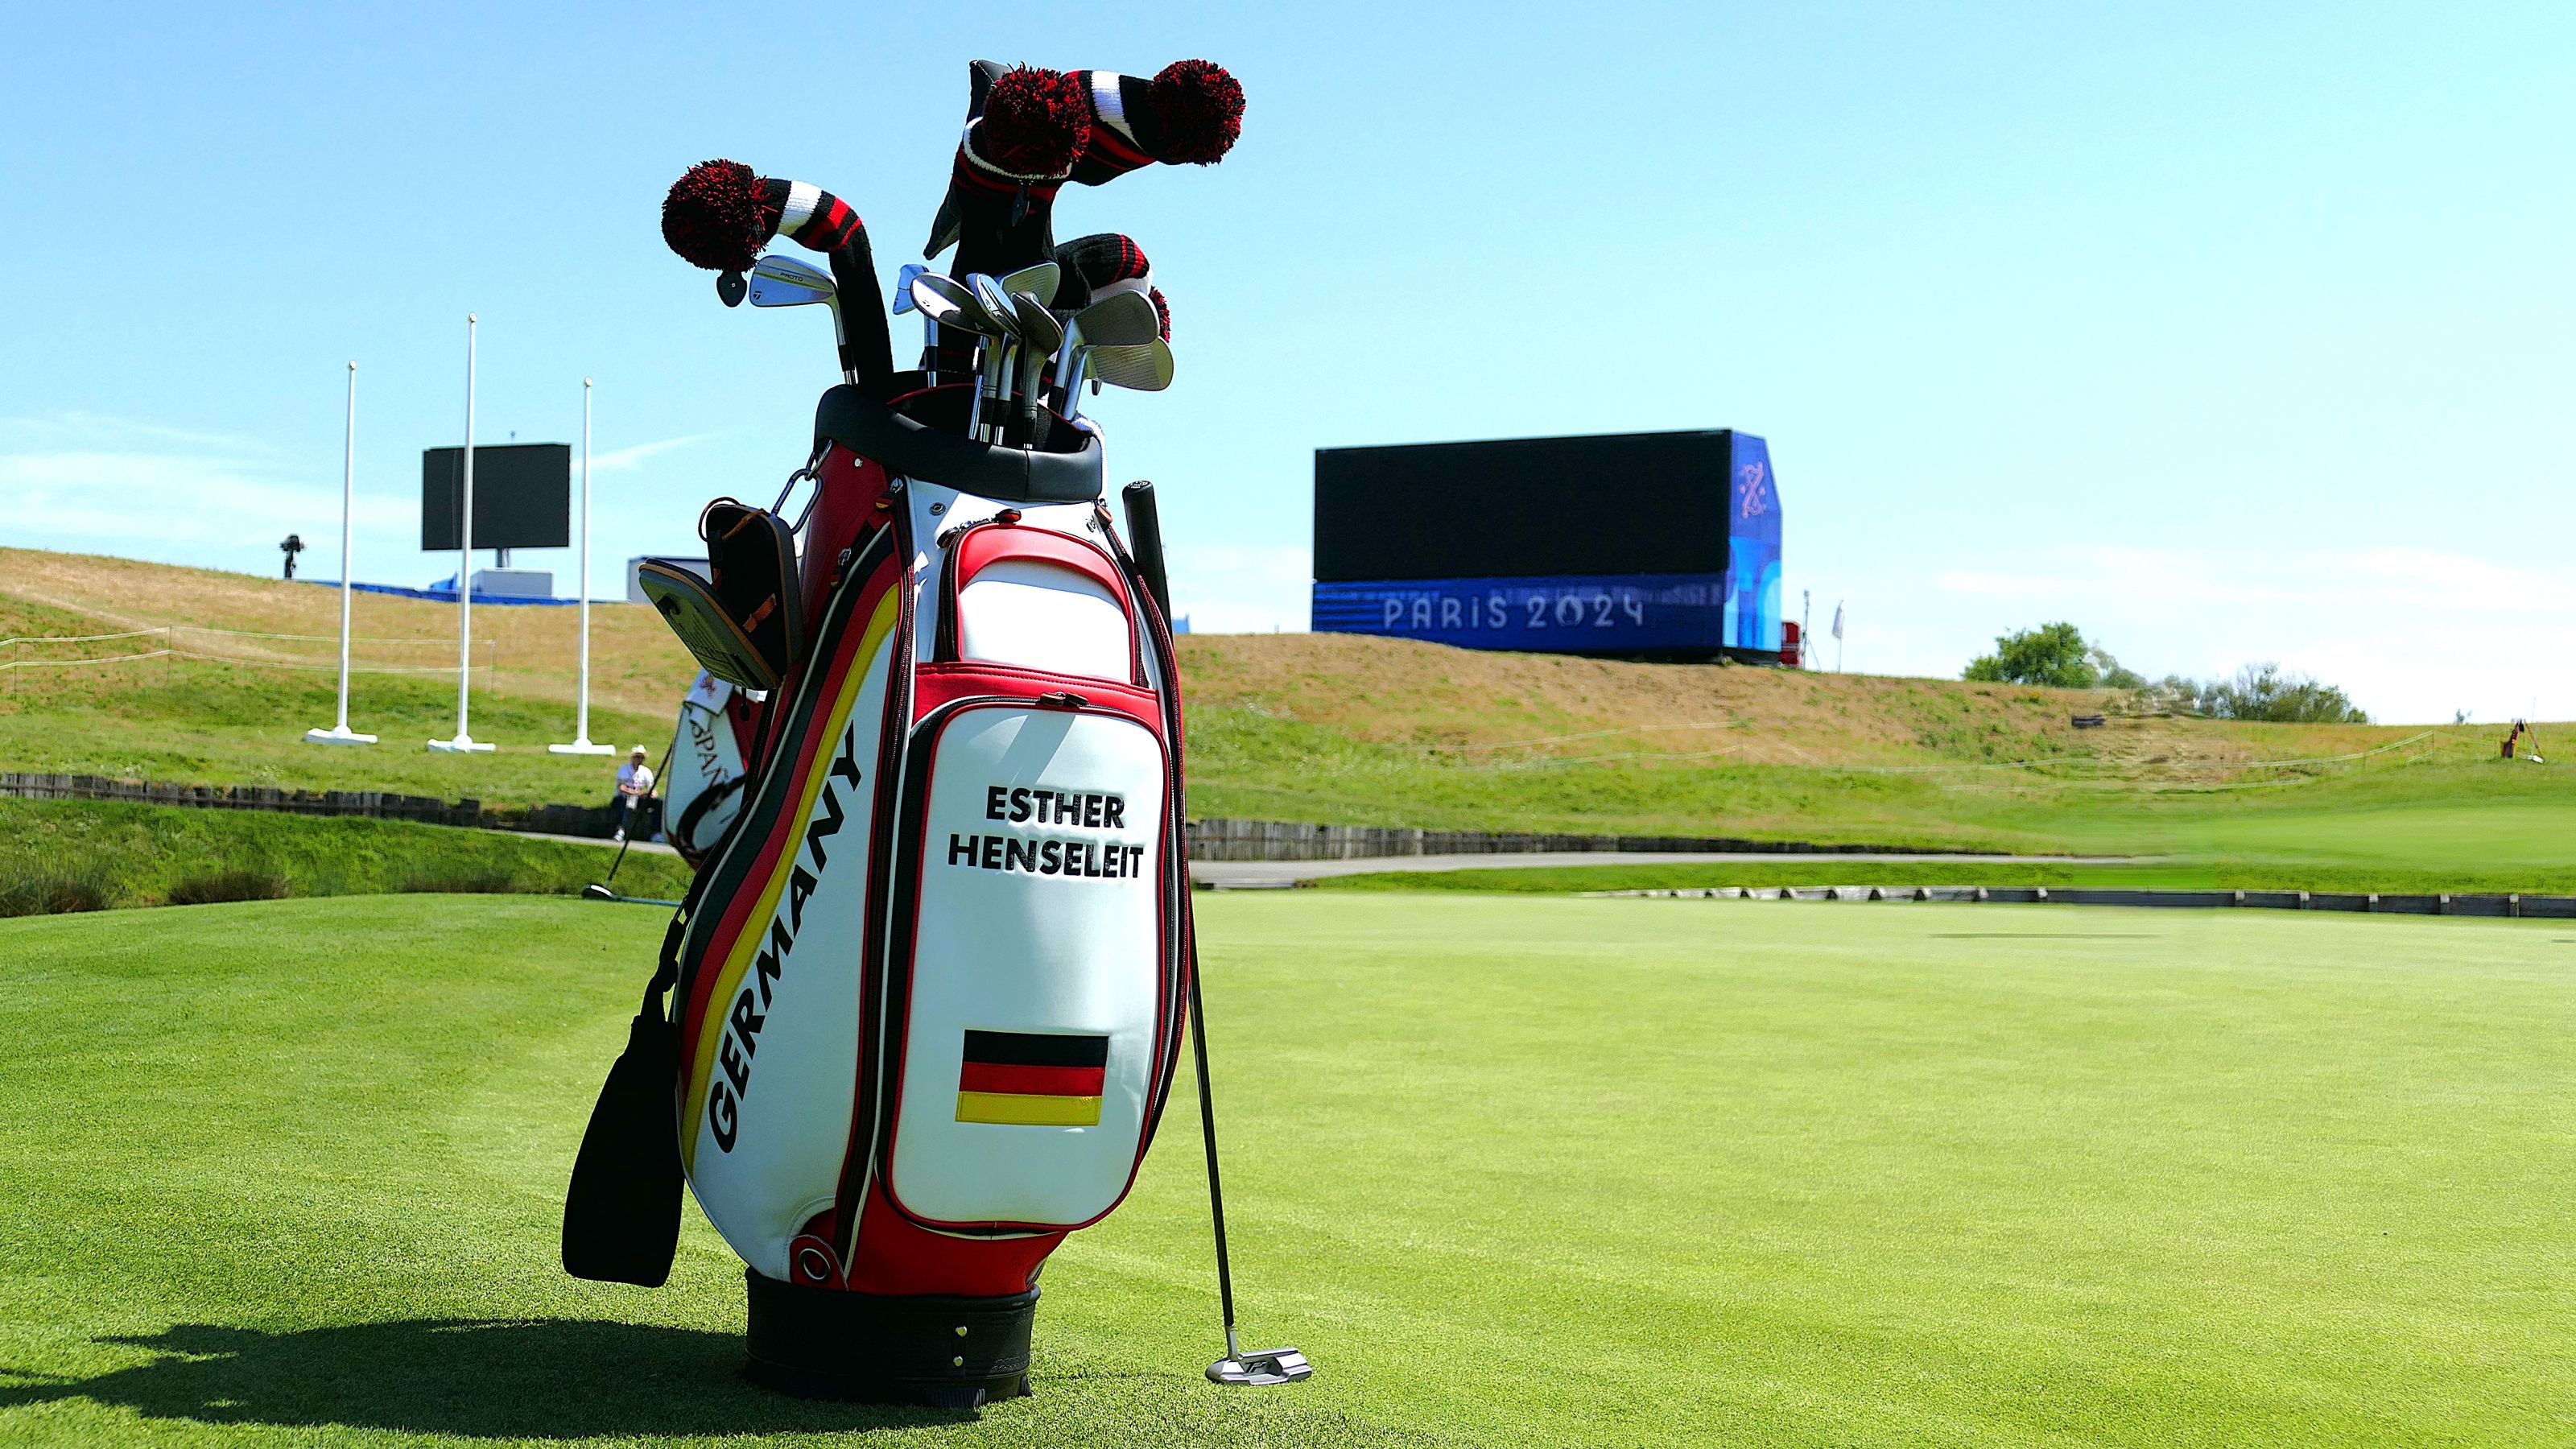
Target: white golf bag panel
(1031, 1053)
(1032, 952)
(709, 766)
(768, 1105)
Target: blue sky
(2229, 332)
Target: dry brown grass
(635, 661)
(1474, 706)
(1500, 706)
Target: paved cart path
(1258, 874)
(1272, 874)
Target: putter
(1261, 1367)
(1121, 319)
(1039, 334)
(1005, 313)
(948, 302)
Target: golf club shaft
(1207, 1126)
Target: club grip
(1145, 536)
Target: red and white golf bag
(927, 990)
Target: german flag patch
(1032, 1079)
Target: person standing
(634, 782)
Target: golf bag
(710, 764)
(929, 991)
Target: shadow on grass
(481, 1378)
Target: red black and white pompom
(719, 215)
(1024, 128)
(1190, 112)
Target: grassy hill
(1303, 727)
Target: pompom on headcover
(1198, 112)
(1035, 122)
(718, 215)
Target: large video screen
(1642, 544)
(522, 496)
(1633, 503)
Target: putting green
(1513, 1171)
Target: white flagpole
(464, 743)
(340, 734)
(581, 744)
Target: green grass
(129, 855)
(2444, 827)
(192, 722)
(1513, 1172)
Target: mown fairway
(1514, 1171)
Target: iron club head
(948, 302)
(1039, 335)
(1140, 369)
(778, 281)
(1121, 319)
(1040, 279)
(1118, 319)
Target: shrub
(57, 892)
(2258, 692)
(241, 883)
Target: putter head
(1041, 279)
(778, 281)
(1261, 1368)
(1139, 369)
(1121, 319)
(596, 892)
(903, 286)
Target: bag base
(870, 1348)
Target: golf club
(903, 303)
(1039, 334)
(1041, 278)
(1139, 369)
(1120, 319)
(778, 281)
(1261, 1367)
(951, 303)
(1005, 313)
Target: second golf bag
(709, 769)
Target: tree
(2258, 692)
(2052, 654)
(2263, 692)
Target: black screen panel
(522, 496)
(1633, 503)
